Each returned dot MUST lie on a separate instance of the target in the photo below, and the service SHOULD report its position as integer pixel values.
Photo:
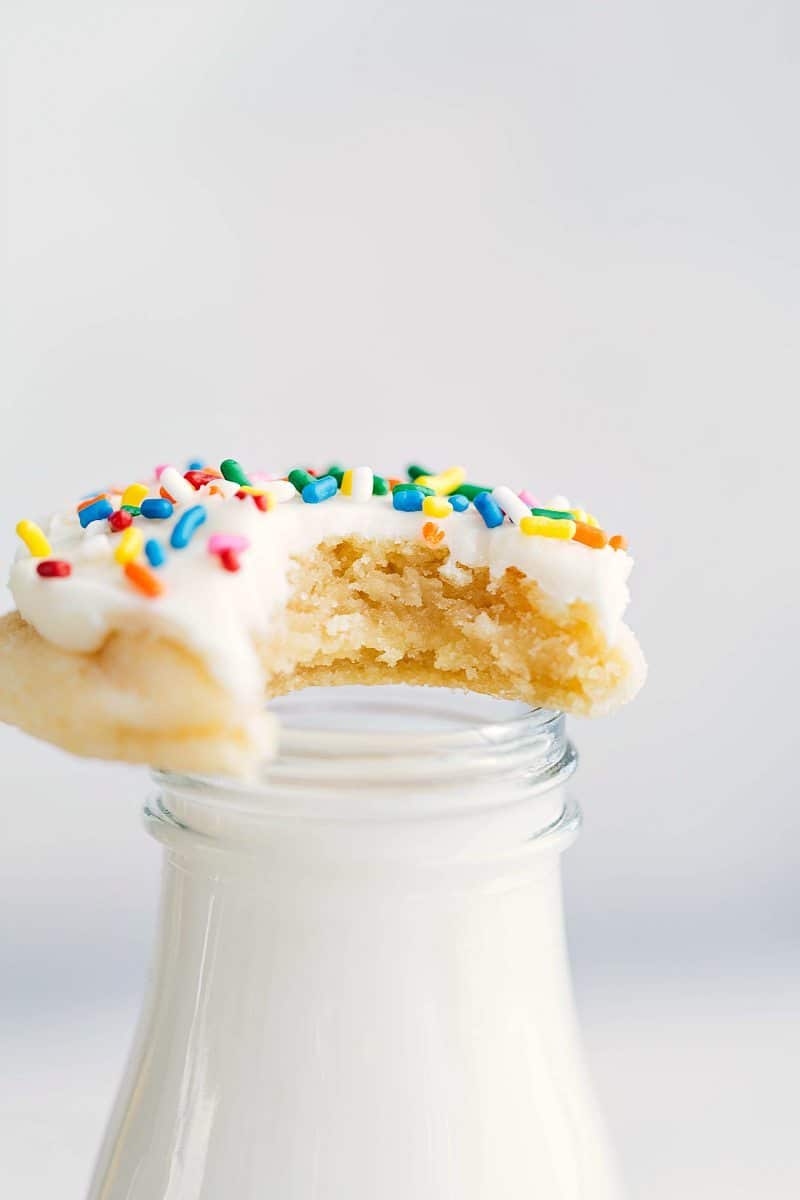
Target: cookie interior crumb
(372, 612)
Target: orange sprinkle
(392, 482)
(92, 500)
(590, 535)
(143, 578)
(166, 496)
(618, 542)
(432, 533)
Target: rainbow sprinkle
(186, 527)
(53, 568)
(97, 510)
(34, 539)
(184, 499)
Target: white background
(556, 241)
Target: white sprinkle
(560, 503)
(361, 483)
(226, 486)
(514, 508)
(281, 490)
(179, 488)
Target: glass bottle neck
(390, 774)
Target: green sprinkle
(300, 478)
(414, 487)
(414, 471)
(133, 509)
(470, 490)
(380, 486)
(555, 514)
(337, 471)
(232, 470)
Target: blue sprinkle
(184, 529)
(408, 501)
(95, 512)
(196, 464)
(489, 509)
(320, 489)
(155, 552)
(156, 510)
(459, 503)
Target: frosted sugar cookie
(154, 620)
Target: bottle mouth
(411, 750)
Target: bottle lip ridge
(349, 754)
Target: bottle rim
(399, 752)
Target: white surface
(699, 1081)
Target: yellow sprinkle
(548, 527)
(34, 539)
(590, 520)
(451, 479)
(129, 545)
(347, 483)
(436, 506)
(134, 495)
(445, 482)
(578, 514)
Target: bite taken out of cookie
(155, 620)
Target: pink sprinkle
(159, 469)
(263, 477)
(218, 543)
(526, 498)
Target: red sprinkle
(198, 479)
(119, 520)
(230, 560)
(261, 503)
(53, 568)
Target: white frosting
(217, 613)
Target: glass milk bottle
(361, 989)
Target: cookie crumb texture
(376, 613)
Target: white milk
(361, 988)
